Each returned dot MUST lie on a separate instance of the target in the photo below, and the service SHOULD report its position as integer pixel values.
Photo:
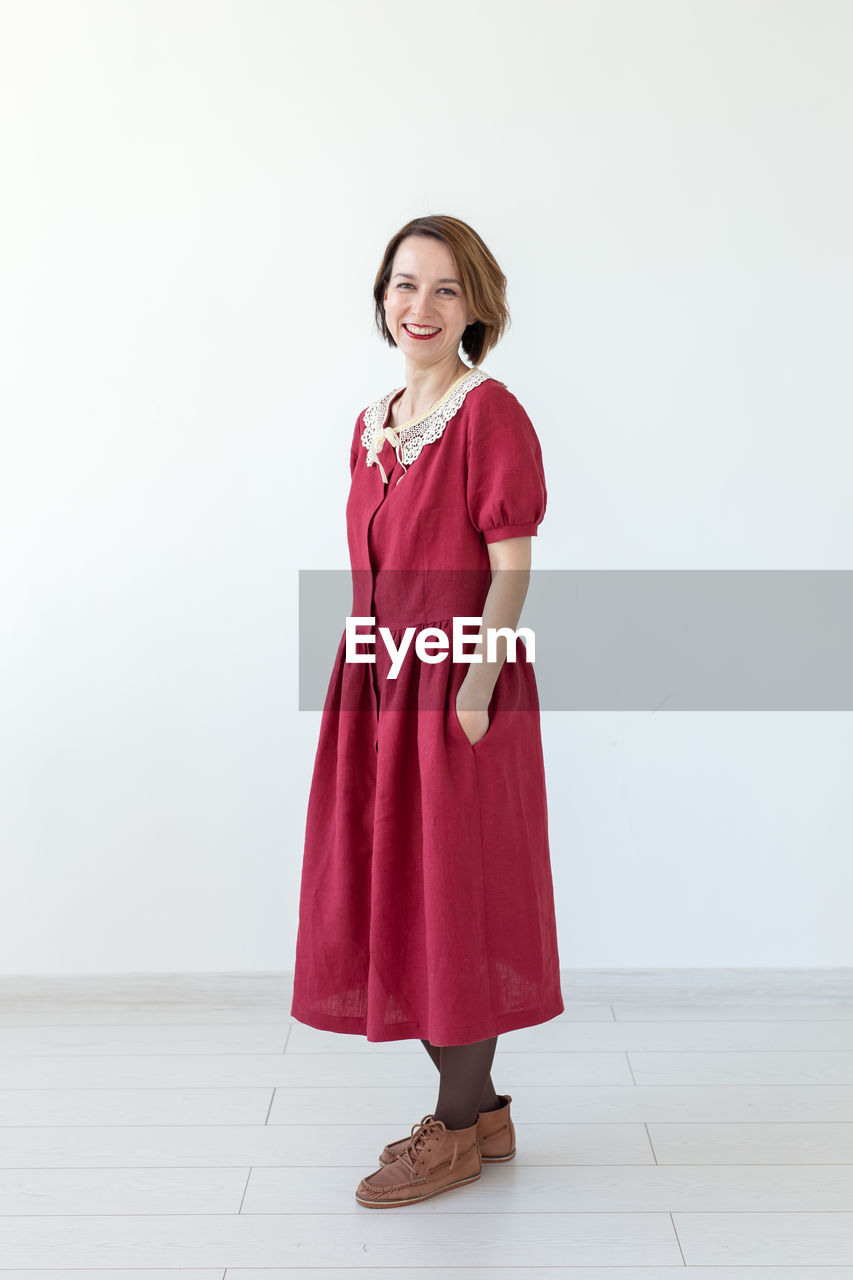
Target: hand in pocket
(473, 721)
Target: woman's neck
(423, 389)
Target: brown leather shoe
(495, 1136)
(435, 1159)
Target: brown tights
(466, 1083)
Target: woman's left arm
(510, 559)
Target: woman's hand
(473, 717)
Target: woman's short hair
(482, 280)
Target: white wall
(196, 198)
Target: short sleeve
(505, 485)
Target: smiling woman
(438, 273)
(426, 906)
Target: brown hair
(482, 280)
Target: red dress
(426, 906)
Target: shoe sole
(485, 1159)
(393, 1204)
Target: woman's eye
(406, 284)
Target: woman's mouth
(421, 330)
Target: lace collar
(412, 436)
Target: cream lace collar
(410, 438)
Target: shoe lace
(428, 1128)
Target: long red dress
(426, 904)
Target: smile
(421, 331)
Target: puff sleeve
(505, 484)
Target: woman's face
(425, 291)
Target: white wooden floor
(668, 1123)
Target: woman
(426, 905)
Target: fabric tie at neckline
(387, 433)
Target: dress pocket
(455, 718)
